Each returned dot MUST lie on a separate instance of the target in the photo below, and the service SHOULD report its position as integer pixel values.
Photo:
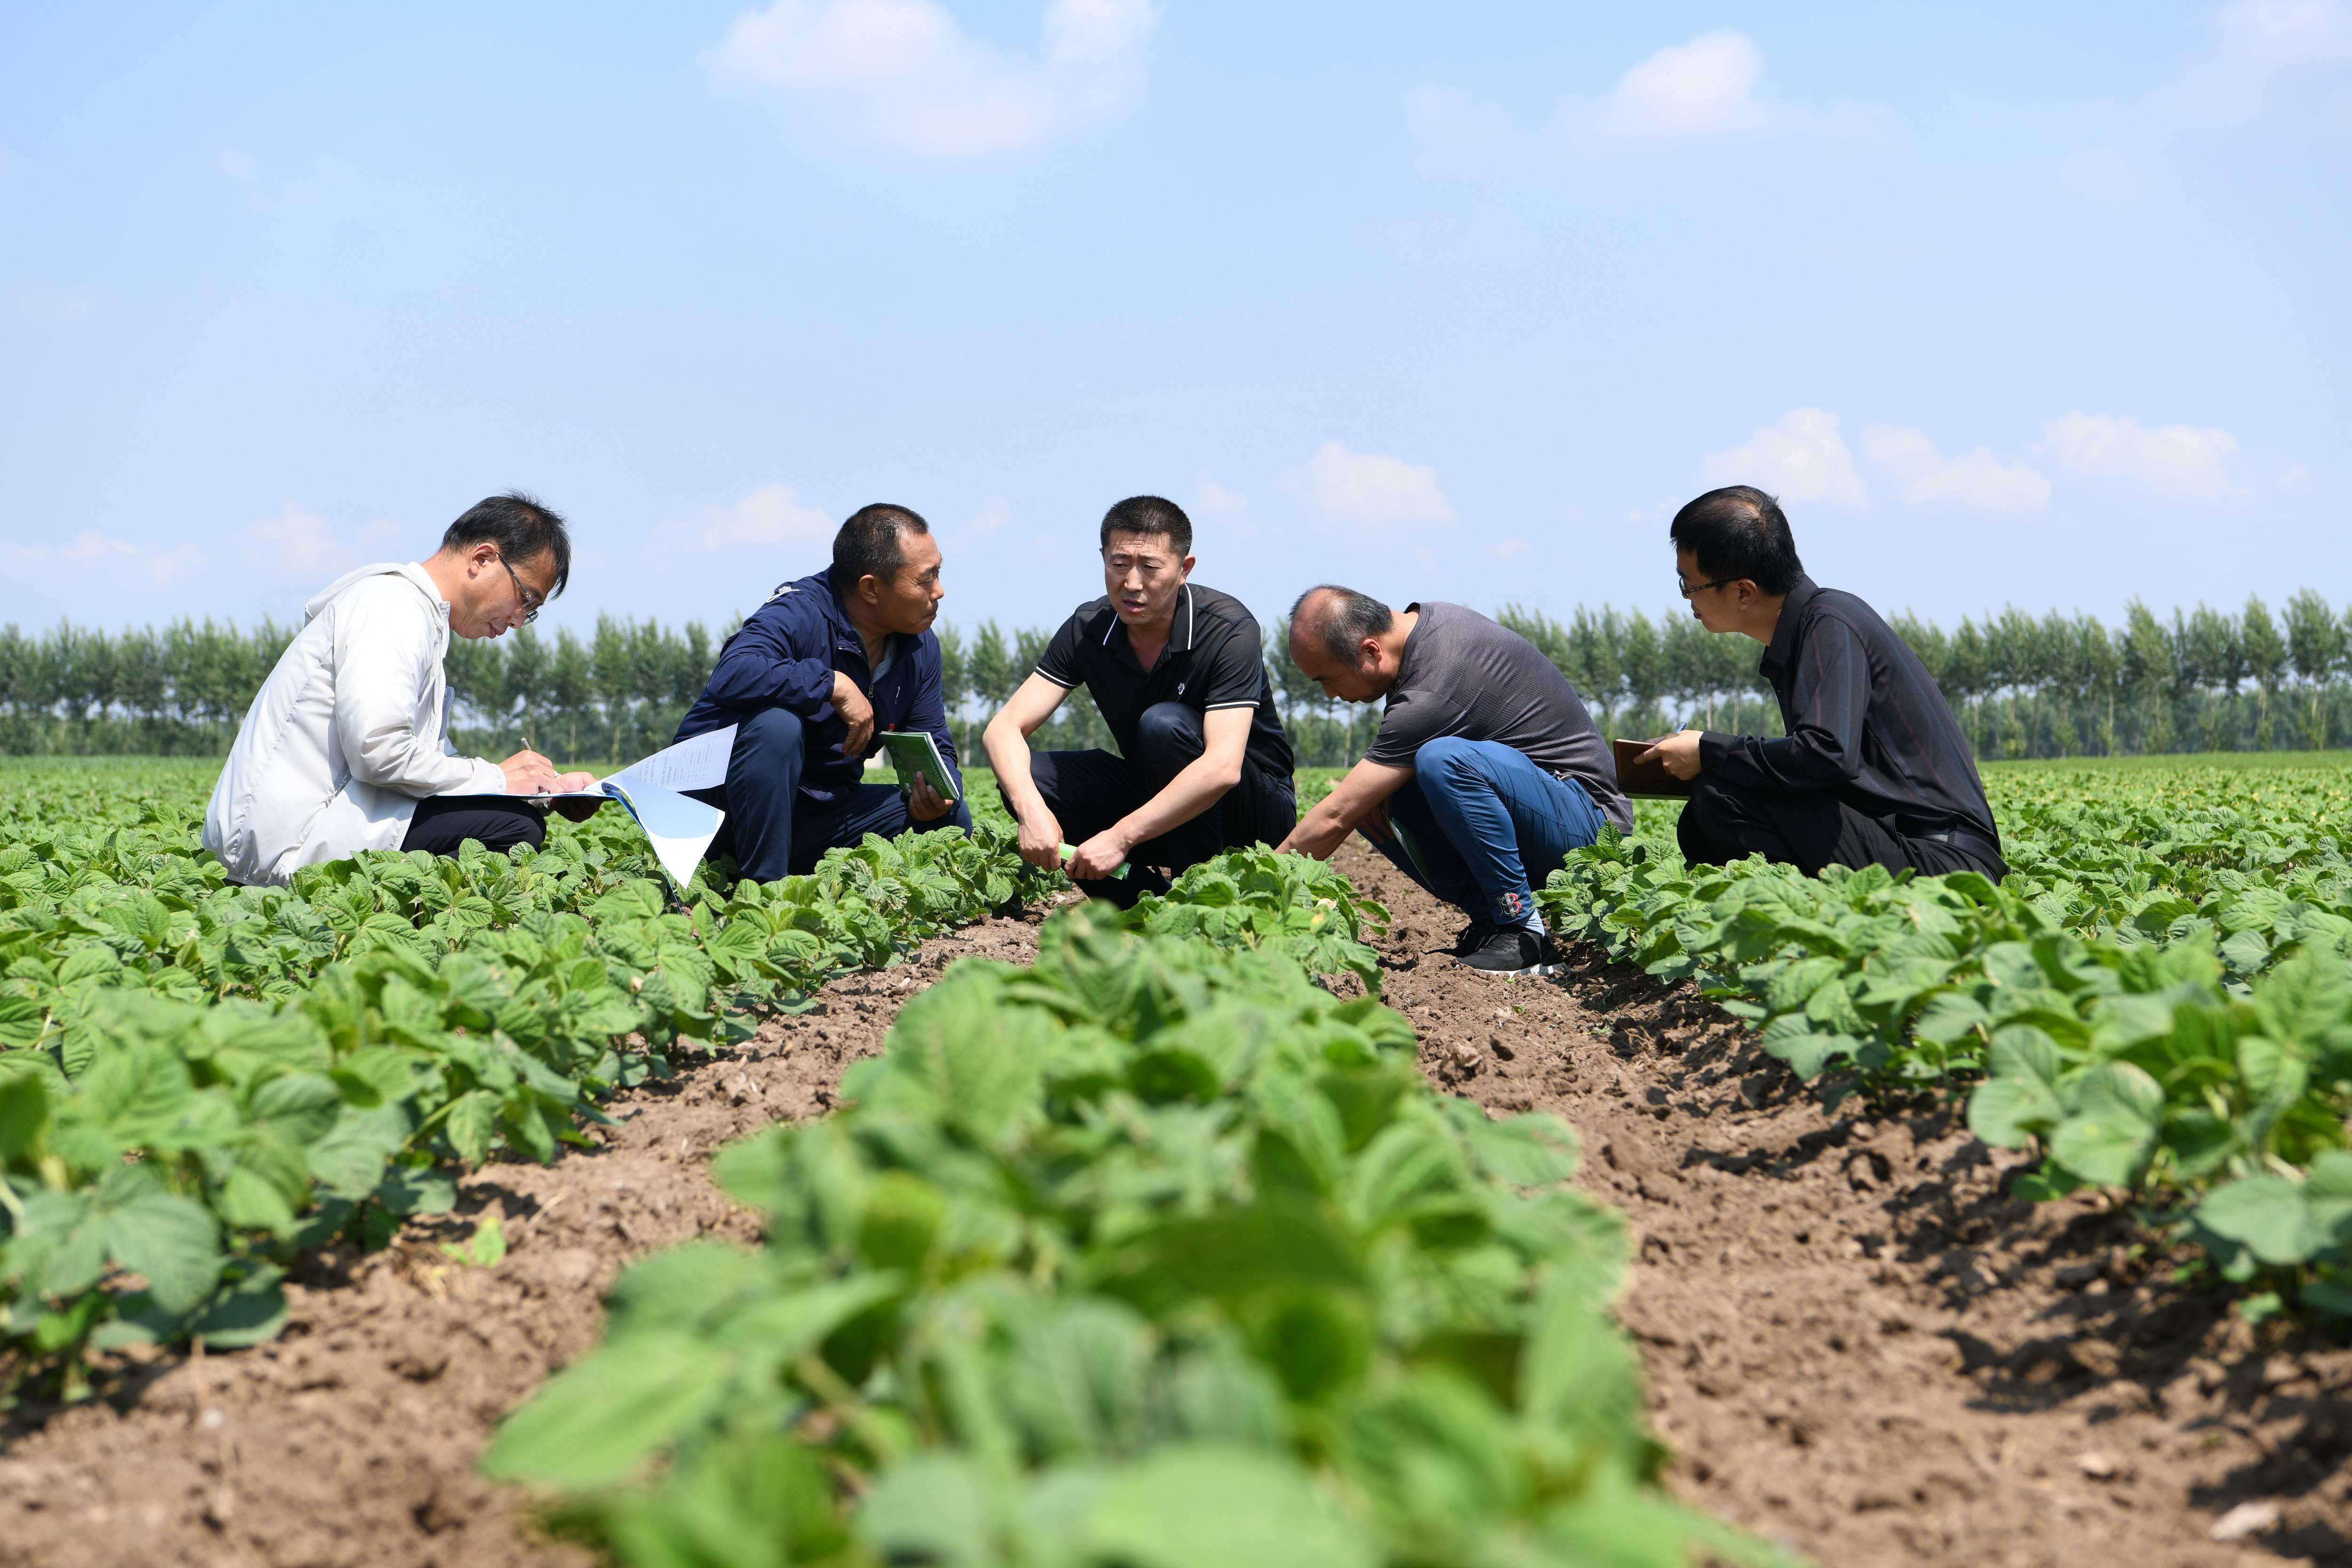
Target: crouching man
(346, 747)
(1179, 673)
(1873, 769)
(810, 680)
(1486, 772)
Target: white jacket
(351, 729)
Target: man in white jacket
(346, 747)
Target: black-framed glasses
(523, 596)
(1688, 589)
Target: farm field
(1918, 1270)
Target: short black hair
(1739, 532)
(521, 527)
(1345, 622)
(873, 543)
(1149, 515)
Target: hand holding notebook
(1635, 776)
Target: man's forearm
(1008, 753)
(1201, 783)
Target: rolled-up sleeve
(1829, 693)
(381, 669)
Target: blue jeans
(1486, 820)
(775, 831)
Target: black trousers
(441, 825)
(1088, 791)
(1809, 829)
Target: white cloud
(1703, 93)
(295, 541)
(901, 75)
(1703, 88)
(2284, 37)
(1212, 500)
(94, 553)
(994, 512)
(1800, 456)
(2269, 57)
(2180, 461)
(771, 516)
(1366, 490)
(1509, 549)
(1976, 480)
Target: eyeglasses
(1688, 589)
(529, 602)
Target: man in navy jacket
(808, 681)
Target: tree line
(2202, 679)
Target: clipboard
(916, 754)
(1648, 778)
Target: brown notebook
(1648, 778)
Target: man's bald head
(1349, 644)
(1337, 620)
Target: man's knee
(1169, 731)
(1708, 832)
(1449, 759)
(774, 734)
(531, 829)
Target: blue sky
(2011, 303)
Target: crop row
(1155, 1252)
(198, 1081)
(2158, 999)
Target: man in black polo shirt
(1179, 674)
(1873, 769)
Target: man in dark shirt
(1179, 673)
(808, 681)
(1873, 769)
(1487, 770)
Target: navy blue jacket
(786, 656)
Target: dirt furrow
(1857, 1342)
(352, 1440)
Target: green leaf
(1152, 1514)
(596, 1420)
(2113, 1131)
(472, 1119)
(2266, 1214)
(173, 1242)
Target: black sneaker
(1473, 937)
(1510, 949)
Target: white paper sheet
(680, 829)
(697, 763)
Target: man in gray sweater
(1487, 770)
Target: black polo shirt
(1214, 659)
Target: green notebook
(917, 756)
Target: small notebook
(1648, 778)
(916, 754)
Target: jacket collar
(819, 588)
(1783, 645)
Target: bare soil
(352, 1439)
(1857, 1344)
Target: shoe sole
(1539, 969)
